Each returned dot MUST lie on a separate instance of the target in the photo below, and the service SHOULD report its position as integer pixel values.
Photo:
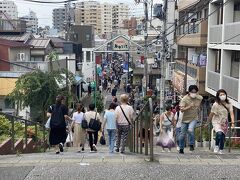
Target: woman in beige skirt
(79, 135)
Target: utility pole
(145, 46)
(163, 61)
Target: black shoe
(57, 152)
(181, 151)
(117, 150)
(61, 147)
(191, 148)
(82, 149)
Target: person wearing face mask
(219, 116)
(189, 105)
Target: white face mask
(223, 97)
(193, 95)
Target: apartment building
(106, 18)
(224, 49)
(31, 22)
(120, 13)
(191, 39)
(89, 13)
(59, 18)
(9, 8)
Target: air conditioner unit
(21, 56)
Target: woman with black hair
(79, 136)
(59, 115)
(220, 111)
(166, 128)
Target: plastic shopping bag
(47, 125)
(165, 141)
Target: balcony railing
(26, 66)
(232, 33)
(213, 80)
(230, 84)
(215, 35)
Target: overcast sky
(44, 11)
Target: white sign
(120, 44)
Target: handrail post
(137, 130)
(146, 129)
(13, 134)
(151, 130)
(230, 137)
(25, 123)
(209, 135)
(36, 134)
(134, 141)
(44, 139)
(140, 131)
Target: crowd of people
(183, 117)
(116, 120)
(171, 126)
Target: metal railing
(137, 140)
(228, 135)
(39, 129)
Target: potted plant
(198, 138)
(206, 137)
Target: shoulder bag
(125, 116)
(94, 124)
(84, 122)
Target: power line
(225, 41)
(50, 2)
(16, 64)
(202, 20)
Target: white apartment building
(31, 22)
(9, 8)
(106, 18)
(223, 52)
(89, 13)
(120, 13)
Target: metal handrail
(136, 134)
(26, 122)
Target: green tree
(52, 56)
(37, 90)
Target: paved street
(201, 164)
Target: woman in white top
(79, 136)
(123, 121)
(166, 126)
(219, 116)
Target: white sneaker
(169, 150)
(220, 152)
(163, 150)
(216, 149)
(178, 148)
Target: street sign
(120, 44)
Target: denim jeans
(111, 139)
(187, 128)
(220, 138)
(178, 132)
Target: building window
(218, 61)
(88, 56)
(235, 60)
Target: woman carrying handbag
(124, 118)
(165, 138)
